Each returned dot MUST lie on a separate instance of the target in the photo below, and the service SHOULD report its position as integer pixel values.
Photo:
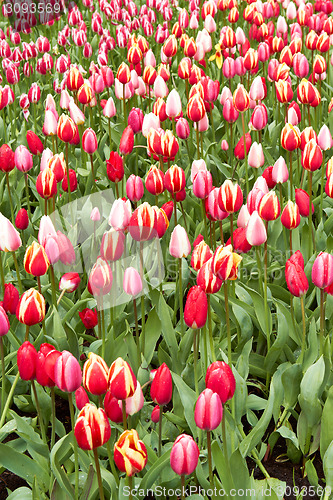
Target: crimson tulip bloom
(7, 158)
(184, 455)
(89, 318)
(81, 398)
(26, 361)
(42, 375)
(11, 298)
(220, 379)
(161, 387)
(92, 428)
(22, 219)
(196, 307)
(31, 308)
(115, 167)
(127, 141)
(296, 279)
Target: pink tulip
(280, 172)
(150, 121)
(202, 184)
(255, 231)
(243, 217)
(173, 104)
(67, 372)
(160, 87)
(23, 159)
(132, 283)
(4, 322)
(256, 157)
(50, 124)
(322, 270)
(134, 188)
(10, 239)
(325, 140)
(180, 245)
(112, 245)
(64, 99)
(184, 455)
(89, 141)
(46, 156)
(208, 410)
(135, 403)
(76, 113)
(46, 228)
(95, 215)
(109, 109)
(120, 214)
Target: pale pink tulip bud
(150, 59)
(292, 117)
(202, 124)
(134, 188)
(210, 24)
(280, 172)
(132, 283)
(160, 87)
(134, 79)
(50, 123)
(256, 157)
(46, 228)
(123, 91)
(255, 230)
(239, 66)
(225, 94)
(291, 11)
(10, 240)
(224, 145)
(261, 184)
(325, 141)
(257, 90)
(52, 249)
(141, 89)
(182, 128)
(76, 113)
(281, 25)
(202, 184)
(120, 214)
(23, 159)
(95, 215)
(197, 166)
(150, 121)
(200, 52)
(109, 109)
(240, 36)
(194, 23)
(243, 217)
(46, 156)
(180, 245)
(173, 104)
(64, 99)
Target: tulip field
(166, 249)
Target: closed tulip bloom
(174, 179)
(69, 282)
(43, 366)
(142, 223)
(208, 410)
(307, 134)
(95, 375)
(290, 137)
(130, 453)
(207, 280)
(256, 157)
(225, 263)
(184, 455)
(303, 202)
(155, 414)
(155, 181)
(255, 231)
(31, 308)
(220, 379)
(89, 318)
(182, 128)
(280, 173)
(322, 270)
(67, 372)
(230, 113)
(259, 117)
(132, 283)
(202, 184)
(89, 141)
(34, 143)
(325, 140)
(7, 158)
(196, 307)
(66, 129)
(26, 361)
(112, 245)
(121, 379)
(134, 188)
(23, 159)
(36, 261)
(22, 219)
(135, 402)
(196, 108)
(253, 199)
(109, 109)
(173, 104)
(120, 214)
(239, 148)
(113, 408)
(241, 99)
(200, 255)
(161, 387)
(127, 141)
(213, 207)
(100, 278)
(115, 167)
(135, 120)
(11, 298)
(4, 322)
(312, 156)
(290, 217)
(46, 184)
(180, 245)
(10, 240)
(296, 279)
(284, 92)
(269, 207)
(230, 197)
(92, 428)
(81, 398)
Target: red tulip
(161, 387)
(89, 318)
(95, 375)
(195, 311)
(26, 361)
(220, 379)
(130, 453)
(10, 298)
(208, 410)
(34, 143)
(121, 379)
(31, 308)
(297, 282)
(92, 428)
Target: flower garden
(166, 264)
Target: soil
(285, 471)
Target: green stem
(3, 371)
(160, 431)
(138, 351)
(195, 361)
(67, 169)
(111, 462)
(232, 229)
(182, 480)
(53, 417)
(130, 486)
(53, 287)
(92, 168)
(99, 477)
(181, 312)
(322, 183)
(266, 309)
(123, 406)
(304, 328)
(27, 196)
(18, 273)
(76, 456)
(226, 304)
(210, 465)
(198, 142)
(322, 320)
(291, 175)
(245, 156)
(2, 276)
(9, 400)
(39, 413)
(210, 329)
(10, 198)
(204, 217)
(310, 215)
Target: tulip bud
(180, 245)
(225, 263)
(7, 158)
(66, 129)
(184, 455)
(120, 214)
(312, 156)
(100, 278)
(89, 318)
(46, 184)
(134, 188)
(230, 197)
(155, 181)
(10, 298)
(220, 379)
(36, 261)
(81, 398)
(161, 387)
(295, 276)
(206, 280)
(255, 231)
(239, 148)
(89, 141)
(26, 361)
(280, 172)
(22, 219)
(202, 184)
(196, 307)
(34, 143)
(31, 308)
(241, 99)
(23, 159)
(322, 270)
(142, 223)
(92, 428)
(121, 379)
(132, 283)
(290, 217)
(200, 255)
(208, 410)
(4, 322)
(269, 206)
(127, 141)
(290, 137)
(130, 453)
(303, 202)
(115, 167)
(256, 157)
(67, 372)
(95, 375)
(155, 414)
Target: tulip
(100, 278)
(135, 120)
(161, 387)
(67, 372)
(290, 216)
(230, 197)
(256, 157)
(173, 104)
(31, 308)
(10, 240)
(46, 184)
(296, 279)
(92, 428)
(7, 158)
(130, 454)
(302, 201)
(290, 137)
(121, 380)
(208, 410)
(180, 245)
(26, 361)
(89, 318)
(36, 261)
(23, 159)
(4, 323)
(58, 166)
(132, 283)
(220, 379)
(22, 219)
(155, 181)
(312, 156)
(225, 263)
(34, 143)
(10, 298)
(207, 280)
(135, 402)
(322, 270)
(184, 455)
(155, 414)
(239, 150)
(280, 172)
(195, 317)
(134, 188)
(112, 245)
(69, 282)
(89, 141)
(269, 207)
(127, 141)
(81, 398)
(112, 408)
(120, 214)
(95, 375)
(200, 255)
(142, 223)
(202, 184)
(42, 376)
(66, 129)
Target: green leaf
(188, 398)
(291, 380)
(22, 493)
(221, 467)
(328, 466)
(153, 332)
(326, 432)
(309, 395)
(279, 343)
(259, 308)
(168, 331)
(22, 465)
(60, 452)
(154, 471)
